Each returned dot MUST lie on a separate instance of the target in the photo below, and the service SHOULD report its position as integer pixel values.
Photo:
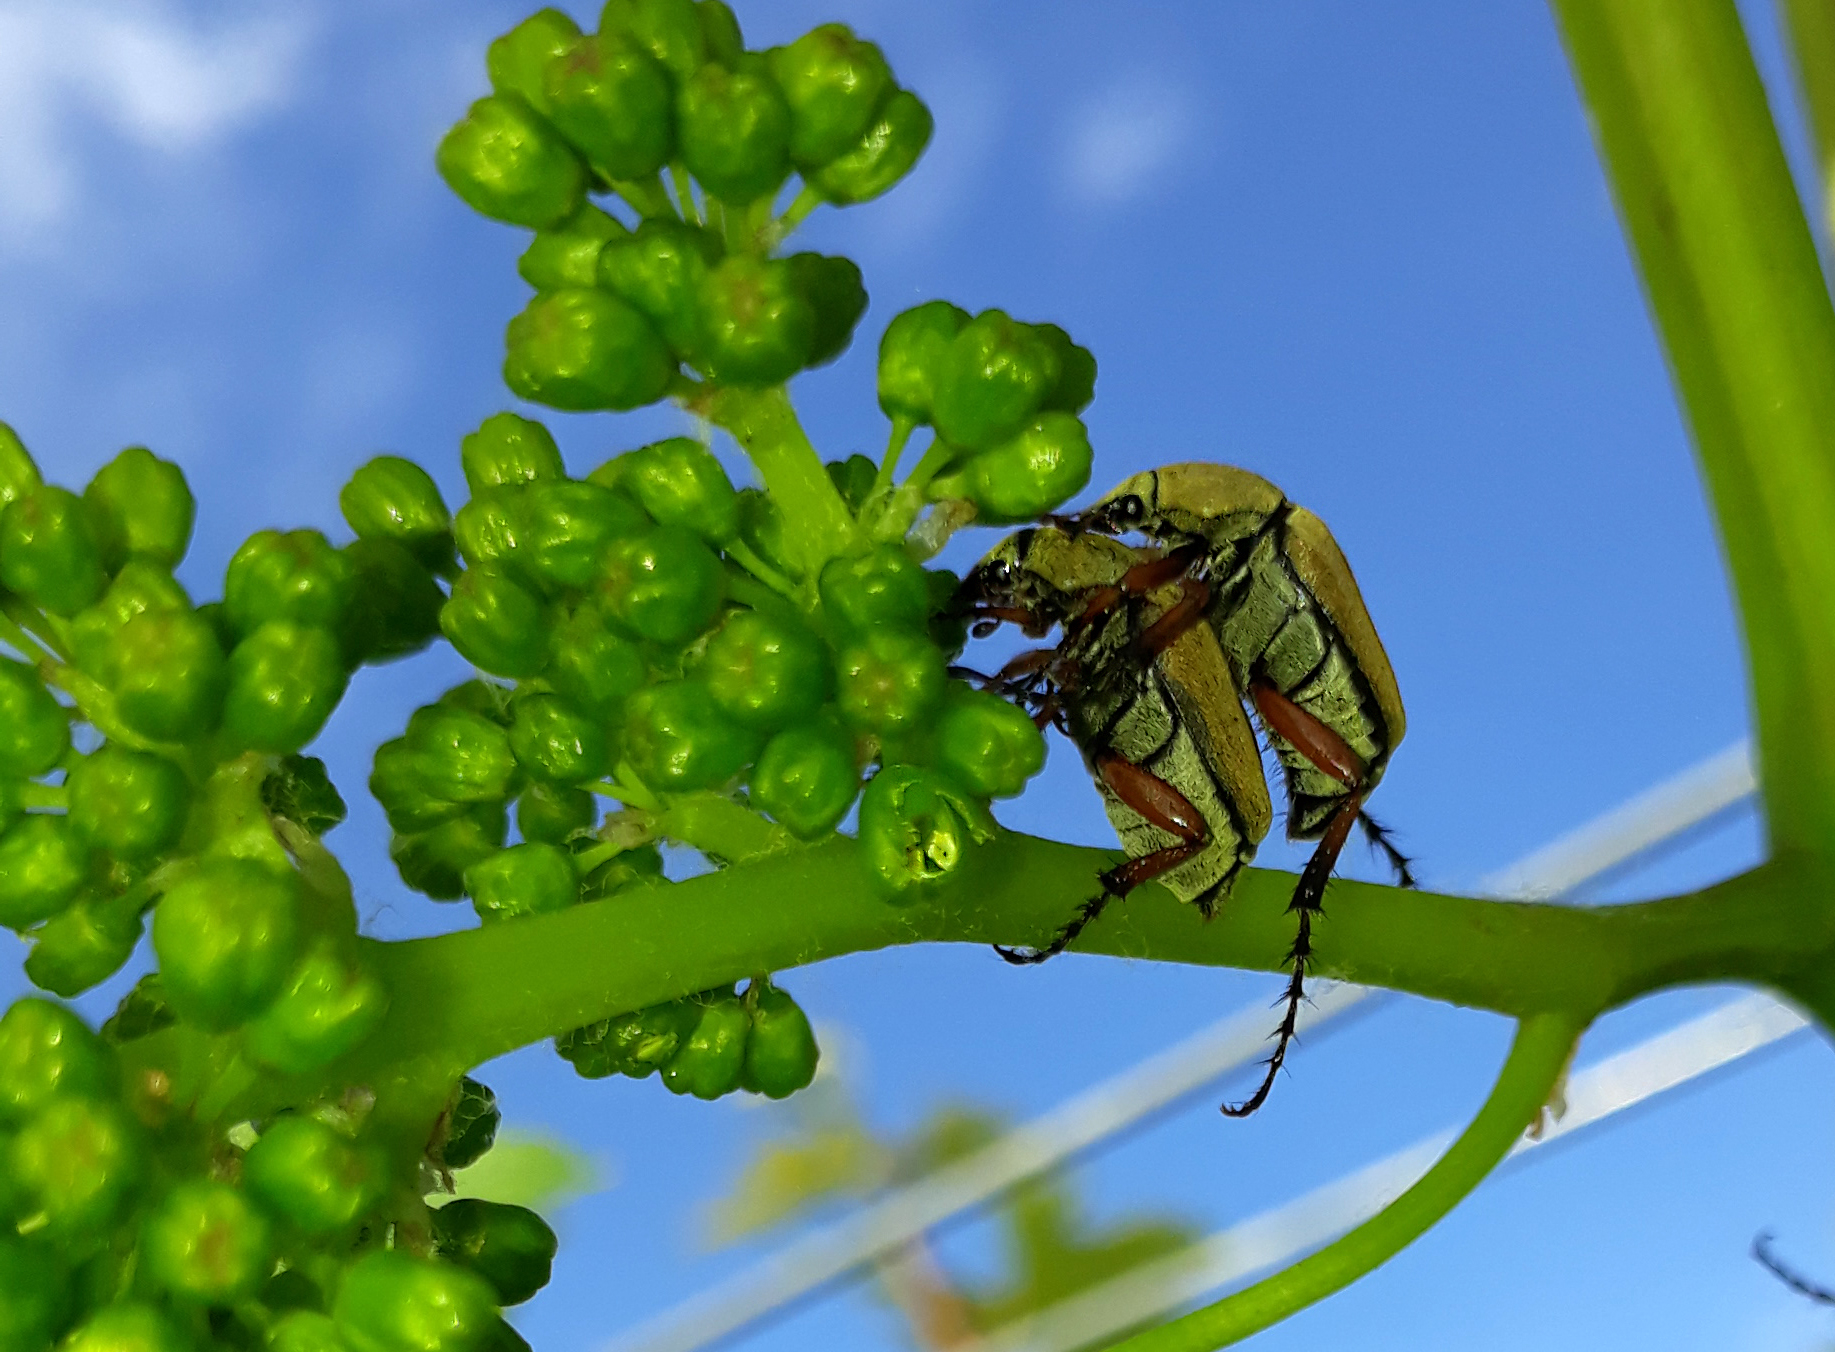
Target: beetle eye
(1131, 509)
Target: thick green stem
(480, 993)
(763, 422)
(1739, 299)
(1811, 26)
(1537, 1058)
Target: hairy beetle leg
(1761, 1250)
(1159, 803)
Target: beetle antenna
(1379, 837)
(1761, 1250)
(1088, 911)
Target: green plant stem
(1810, 25)
(1537, 1057)
(1739, 298)
(819, 525)
(480, 993)
(647, 196)
(721, 828)
(679, 176)
(806, 201)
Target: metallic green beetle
(1139, 684)
(1300, 643)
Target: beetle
(1140, 685)
(1300, 643)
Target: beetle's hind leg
(1308, 901)
(1116, 884)
(1378, 836)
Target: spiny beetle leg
(1761, 1250)
(1378, 836)
(1188, 610)
(1161, 804)
(1307, 902)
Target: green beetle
(1140, 685)
(1300, 643)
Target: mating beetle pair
(1243, 596)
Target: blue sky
(1363, 250)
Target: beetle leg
(1180, 616)
(1378, 836)
(1761, 1250)
(1161, 804)
(1307, 901)
(1307, 735)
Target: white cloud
(1123, 140)
(143, 72)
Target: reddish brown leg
(1159, 803)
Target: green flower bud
(78, 1160)
(1076, 374)
(509, 1246)
(582, 350)
(490, 529)
(757, 325)
(806, 778)
(612, 99)
(558, 741)
(720, 31)
(47, 1053)
(681, 484)
(995, 376)
(42, 865)
(395, 499)
(678, 739)
(884, 586)
(916, 828)
(834, 290)
(911, 353)
(433, 862)
(496, 625)
(140, 586)
(396, 782)
(34, 729)
(299, 790)
(141, 507)
(516, 60)
(18, 474)
(568, 255)
(168, 674)
(131, 803)
(712, 1059)
(464, 757)
(988, 746)
(34, 1295)
(303, 1329)
(592, 664)
(660, 269)
(665, 585)
(566, 526)
(394, 607)
(765, 672)
(329, 1006)
(834, 83)
(307, 1174)
(853, 479)
(882, 157)
(1041, 468)
(284, 681)
(670, 30)
(205, 1243)
(781, 1053)
(505, 162)
(509, 449)
(226, 937)
(888, 681)
(549, 813)
(49, 552)
(391, 1301)
(83, 946)
(472, 1120)
(734, 130)
(633, 1044)
(295, 575)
